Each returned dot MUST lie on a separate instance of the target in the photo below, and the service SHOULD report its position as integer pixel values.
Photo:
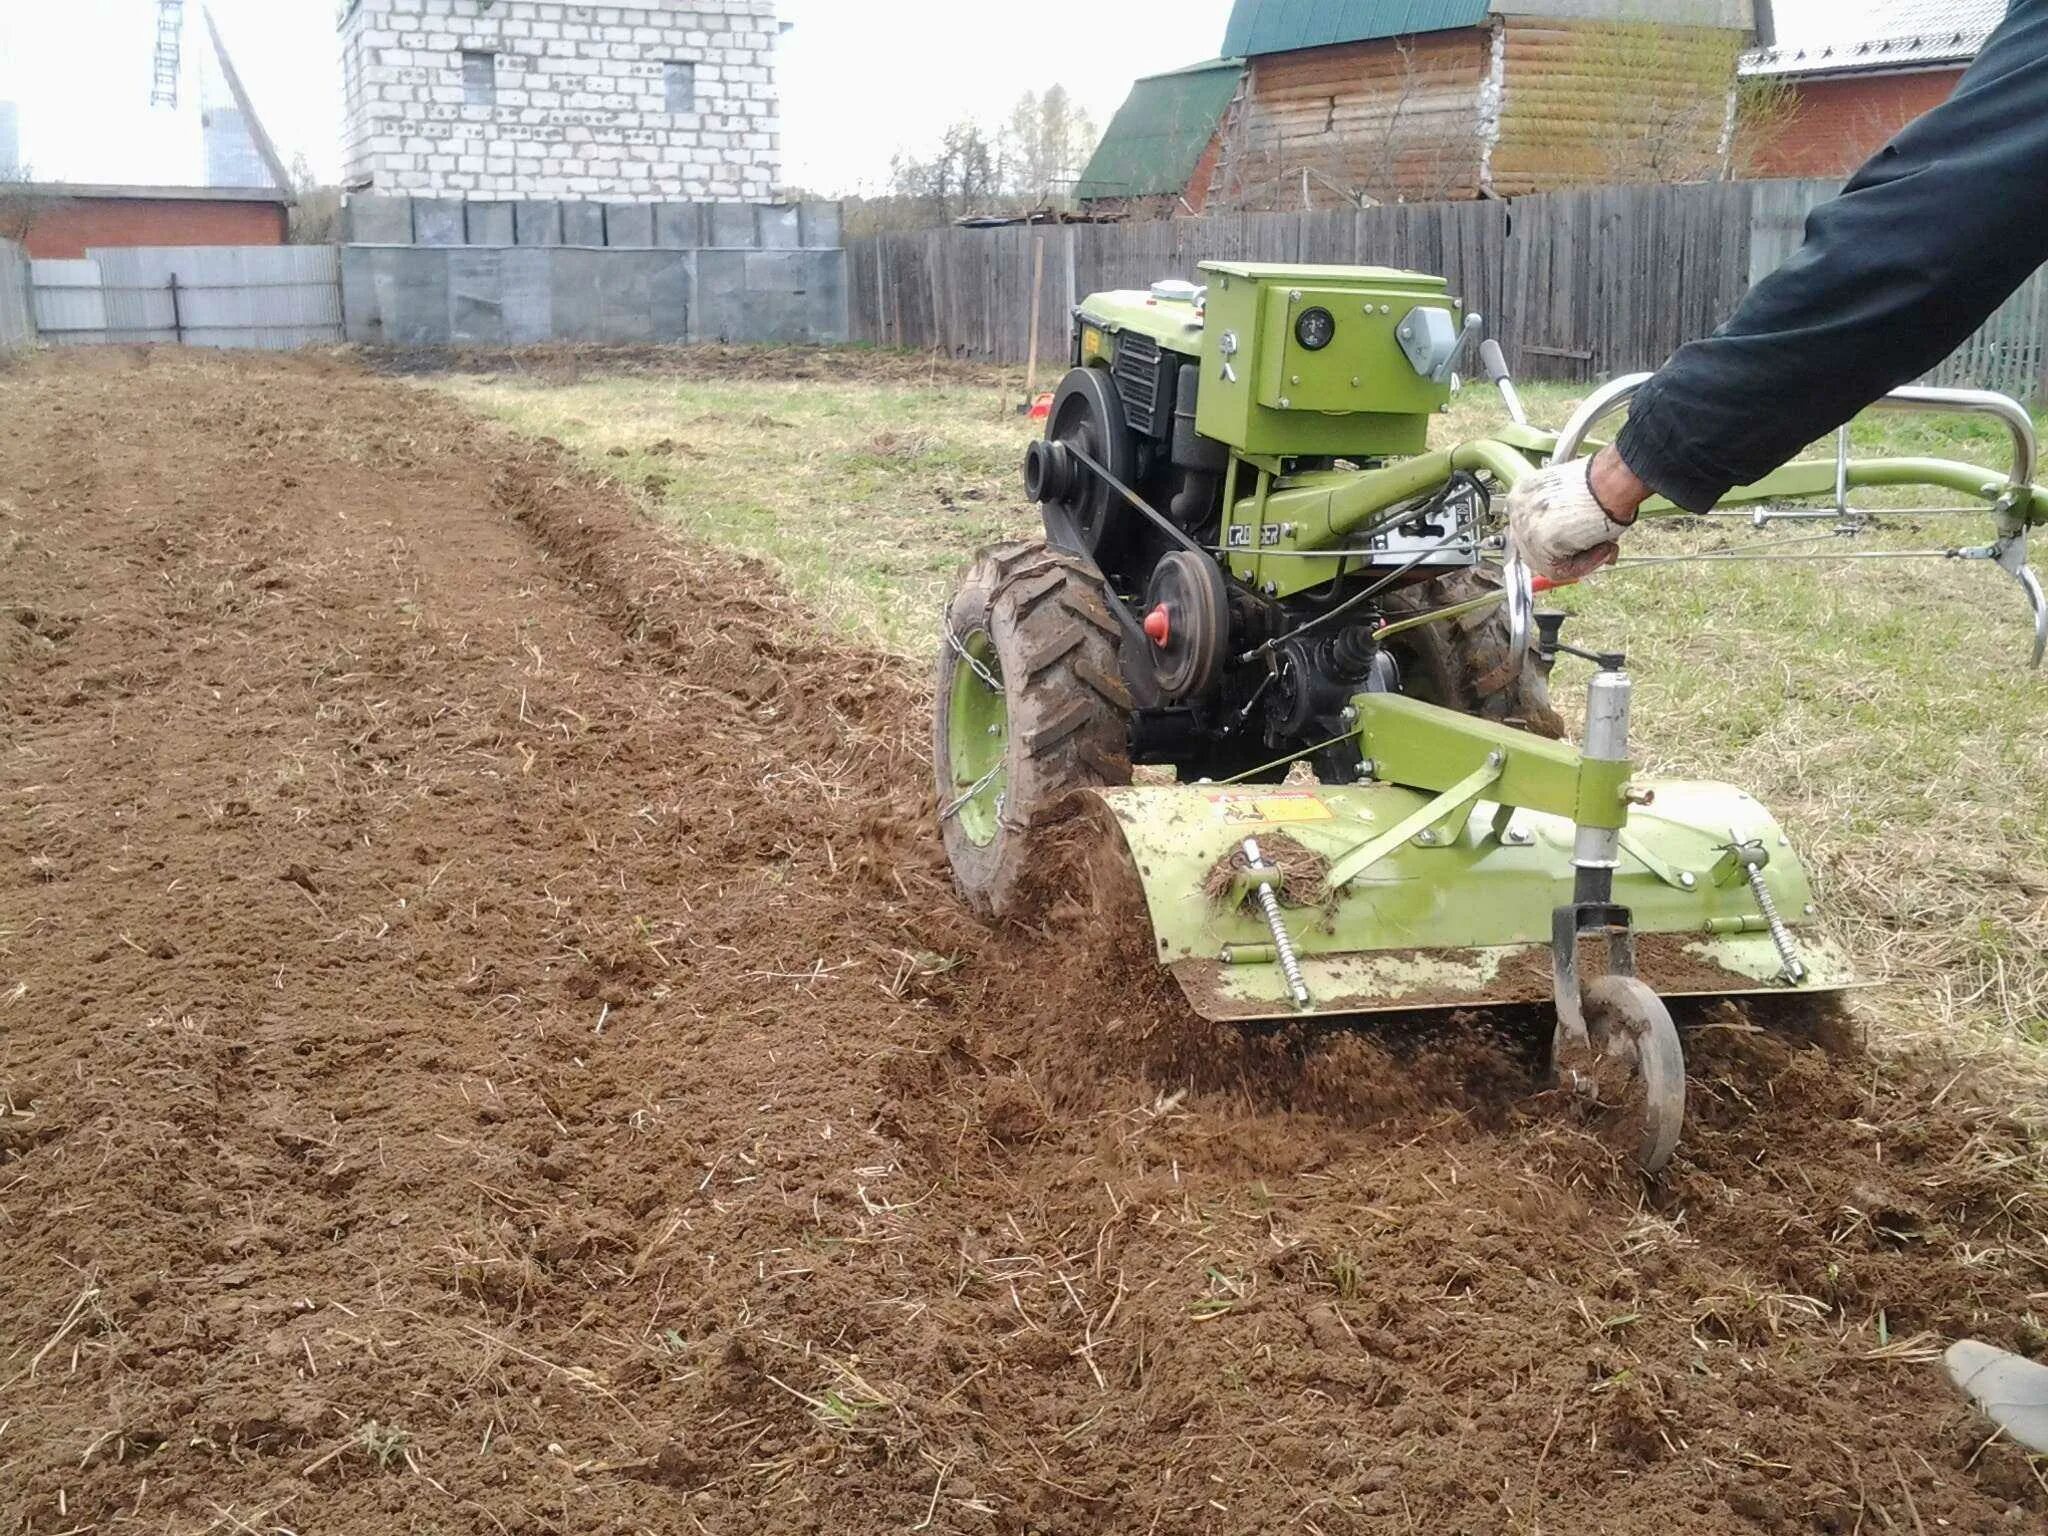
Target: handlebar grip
(1493, 360)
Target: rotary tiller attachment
(1474, 865)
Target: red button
(1159, 627)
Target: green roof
(1280, 26)
(1157, 136)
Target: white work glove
(1561, 530)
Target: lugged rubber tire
(1463, 663)
(1067, 709)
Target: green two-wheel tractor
(1259, 578)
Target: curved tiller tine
(2011, 555)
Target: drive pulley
(1187, 619)
(1087, 414)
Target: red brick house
(1831, 84)
(56, 219)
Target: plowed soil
(487, 1044)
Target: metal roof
(99, 191)
(1817, 37)
(1157, 137)
(1280, 26)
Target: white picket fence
(268, 297)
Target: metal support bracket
(1422, 821)
(1505, 832)
(1678, 879)
(1569, 925)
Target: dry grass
(1884, 711)
(867, 498)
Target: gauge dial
(1316, 329)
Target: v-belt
(1173, 530)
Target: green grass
(1884, 710)
(868, 497)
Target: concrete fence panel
(476, 297)
(378, 220)
(583, 224)
(490, 223)
(679, 226)
(432, 295)
(629, 224)
(541, 270)
(732, 226)
(536, 223)
(439, 221)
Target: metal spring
(1283, 945)
(1788, 953)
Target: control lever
(1495, 362)
(1474, 324)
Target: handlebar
(1611, 396)
(1615, 393)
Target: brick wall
(69, 226)
(583, 98)
(1834, 125)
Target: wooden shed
(1158, 156)
(1413, 100)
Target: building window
(680, 79)
(480, 79)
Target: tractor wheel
(1463, 664)
(1031, 708)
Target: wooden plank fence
(1576, 286)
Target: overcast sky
(861, 79)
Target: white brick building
(637, 102)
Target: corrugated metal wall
(70, 309)
(17, 318)
(268, 297)
(272, 298)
